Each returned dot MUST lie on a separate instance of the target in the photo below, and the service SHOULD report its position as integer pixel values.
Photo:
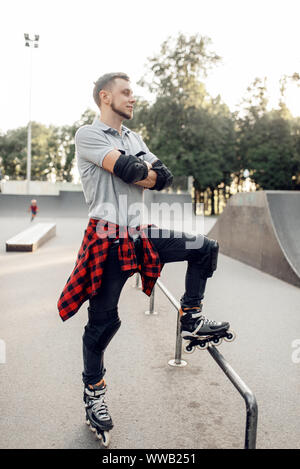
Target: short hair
(104, 82)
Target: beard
(120, 113)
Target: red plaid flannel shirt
(85, 279)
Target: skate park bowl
(262, 229)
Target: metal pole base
(175, 363)
(151, 313)
(137, 282)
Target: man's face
(122, 99)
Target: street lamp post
(31, 43)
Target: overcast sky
(81, 40)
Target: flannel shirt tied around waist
(86, 277)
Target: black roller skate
(200, 331)
(97, 416)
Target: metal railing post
(178, 346)
(137, 281)
(151, 305)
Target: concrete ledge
(31, 238)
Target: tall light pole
(31, 43)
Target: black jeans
(103, 323)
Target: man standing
(116, 166)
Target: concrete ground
(153, 405)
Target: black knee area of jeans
(99, 331)
(207, 257)
(97, 316)
(214, 253)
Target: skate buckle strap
(197, 315)
(192, 315)
(94, 392)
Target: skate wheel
(90, 425)
(188, 348)
(230, 336)
(105, 439)
(217, 340)
(202, 345)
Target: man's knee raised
(207, 256)
(214, 253)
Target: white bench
(31, 238)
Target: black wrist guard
(130, 168)
(164, 176)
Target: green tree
(177, 70)
(52, 150)
(13, 152)
(185, 127)
(44, 147)
(272, 156)
(267, 141)
(66, 155)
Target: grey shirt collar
(106, 128)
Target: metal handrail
(246, 393)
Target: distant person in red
(34, 209)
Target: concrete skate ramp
(262, 229)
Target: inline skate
(200, 331)
(97, 416)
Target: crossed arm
(109, 163)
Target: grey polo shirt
(107, 196)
